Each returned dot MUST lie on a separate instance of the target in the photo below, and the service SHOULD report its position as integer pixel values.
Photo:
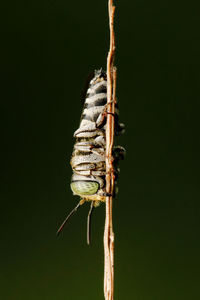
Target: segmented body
(88, 157)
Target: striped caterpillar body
(88, 157)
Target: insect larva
(88, 157)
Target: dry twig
(108, 232)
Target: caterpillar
(88, 157)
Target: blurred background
(48, 48)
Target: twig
(111, 95)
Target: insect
(88, 157)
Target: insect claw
(109, 113)
(109, 195)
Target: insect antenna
(68, 217)
(89, 223)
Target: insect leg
(101, 120)
(69, 216)
(89, 223)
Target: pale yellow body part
(97, 199)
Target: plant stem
(111, 99)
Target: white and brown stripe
(88, 157)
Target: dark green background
(48, 48)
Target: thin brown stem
(111, 99)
